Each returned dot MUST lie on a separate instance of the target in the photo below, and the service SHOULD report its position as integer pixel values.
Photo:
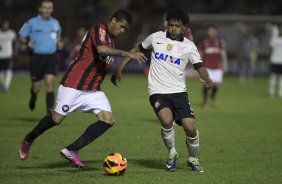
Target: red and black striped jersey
(88, 70)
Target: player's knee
(189, 126)
(57, 118)
(167, 123)
(108, 120)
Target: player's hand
(139, 56)
(30, 43)
(116, 77)
(209, 83)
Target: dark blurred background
(233, 19)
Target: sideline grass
(240, 139)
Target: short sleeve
(147, 43)
(25, 30)
(194, 56)
(59, 30)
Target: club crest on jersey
(169, 47)
(65, 108)
(167, 58)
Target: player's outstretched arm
(117, 75)
(105, 50)
(203, 73)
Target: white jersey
(276, 46)
(6, 43)
(168, 61)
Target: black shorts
(42, 64)
(177, 102)
(5, 64)
(276, 68)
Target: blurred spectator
(250, 53)
(76, 43)
(62, 54)
(213, 52)
(276, 63)
(7, 39)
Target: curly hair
(177, 14)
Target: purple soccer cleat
(24, 150)
(72, 157)
(171, 162)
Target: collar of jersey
(181, 38)
(41, 18)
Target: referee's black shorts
(177, 102)
(42, 64)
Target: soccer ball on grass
(115, 164)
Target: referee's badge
(169, 47)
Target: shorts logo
(157, 104)
(65, 108)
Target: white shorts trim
(216, 75)
(69, 99)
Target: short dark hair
(47, 1)
(177, 14)
(121, 15)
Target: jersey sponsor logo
(167, 58)
(102, 34)
(169, 47)
(212, 50)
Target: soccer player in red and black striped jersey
(80, 86)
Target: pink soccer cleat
(24, 150)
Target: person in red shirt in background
(213, 52)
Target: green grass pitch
(241, 139)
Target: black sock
(33, 94)
(213, 93)
(45, 123)
(49, 101)
(92, 132)
(205, 93)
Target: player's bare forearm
(117, 75)
(126, 60)
(224, 61)
(105, 50)
(203, 73)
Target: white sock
(193, 145)
(272, 82)
(168, 138)
(7, 79)
(280, 87)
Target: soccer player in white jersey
(276, 63)
(167, 85)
